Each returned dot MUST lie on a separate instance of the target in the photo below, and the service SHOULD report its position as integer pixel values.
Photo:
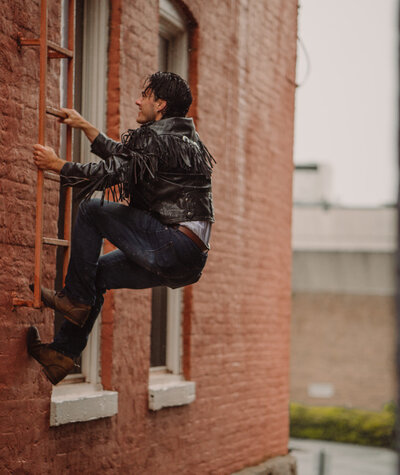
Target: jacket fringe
(170, 150)
(146, 154)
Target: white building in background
(346, 105)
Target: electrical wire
(308, 62)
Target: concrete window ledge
(285, 465)
(81, 402)
(168, 390)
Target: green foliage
(344, 425)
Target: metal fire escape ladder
(49, 50)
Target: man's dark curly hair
(171, 88)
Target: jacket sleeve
(119, 171)
(91, 177)
(103, 146)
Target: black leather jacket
(162, 167)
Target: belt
(190, 234)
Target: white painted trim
(94, 68)
(158, 369)
(169, 390)
(173, 27)
(80, 403)
(171, 14)
(178, 59)
(94, 107)
(174, 330)
(91, 355)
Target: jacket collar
(183, 126)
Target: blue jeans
(149, 254)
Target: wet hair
(171, 88)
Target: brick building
(343, 327)
(202, 387)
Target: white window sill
(81, 402)
(169, 390)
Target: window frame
(173, 28)
(94, 109)
(167, 385)
(87, 400)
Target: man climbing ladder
(163, 171)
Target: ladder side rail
(42, 141)
(70, 103)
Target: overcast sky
(346, 111)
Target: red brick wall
(236, 318)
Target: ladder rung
(56, 112)
(56, 51)
(22, 302)
(56, 242)
(21, 41)
(52, 176)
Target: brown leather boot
(55, 365)
(76, 313)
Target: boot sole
(52, 381)
(48, 376)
